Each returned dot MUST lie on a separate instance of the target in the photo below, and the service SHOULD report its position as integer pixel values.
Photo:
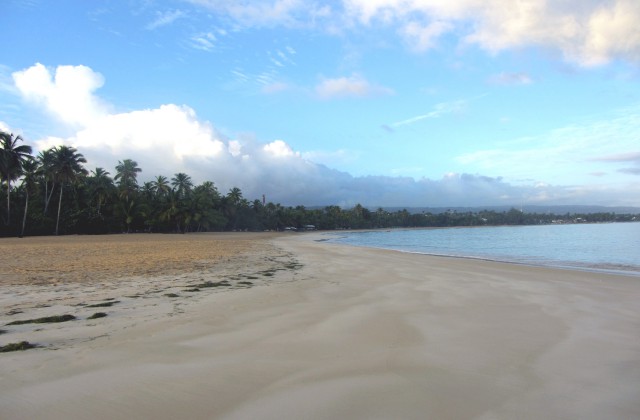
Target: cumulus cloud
(345, 87)
(67, 92)
(171, 139)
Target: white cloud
(279, 148)
(345, 87)
(584, 31)
(261, 13)
(165, 18)
(203, 41)
(171, 139)
(560, 153)
(438, 111)
(67, 93)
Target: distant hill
(573, 209)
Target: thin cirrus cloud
(349, 87)
(165, 19)
(585, 32)
(559, 152)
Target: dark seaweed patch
(97, 315)
(45, 320)
(222, 283)
(23, 345)
(103, 304)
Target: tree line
(53, 193)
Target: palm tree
(67, 169)
(126, 174)
(160, 185)
(181, 182)
(101, 184)
(12, 158)
(231, 203)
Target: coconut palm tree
(67, 169)
(182, 184)
(161, 185)
(126, 174)
(101, 186)
(12, 158)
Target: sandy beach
(283, 326)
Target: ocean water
(610, 247)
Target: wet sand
(296, 328)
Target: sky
(379, 102)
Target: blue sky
(382, 102)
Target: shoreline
(335, 331)
(604, 268)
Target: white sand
(354, 333)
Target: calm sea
(611, 247)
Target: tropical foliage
(53, 193)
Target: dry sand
(306, 329)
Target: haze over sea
(611, 247)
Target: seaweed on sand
(103, 304)
(222, 283)
(97, 315)
(45, 320)
(23, 345)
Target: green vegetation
(45, 320)
(57, 195)
(23, 345)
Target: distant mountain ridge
(559, 210)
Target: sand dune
(317, 331)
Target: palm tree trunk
(8, 202)
(59, 207)
(24, 218)
(47, 199)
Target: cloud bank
(171, 139)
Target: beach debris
(44, 320)
(97, 315)
(23, 345)
(172, 295)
